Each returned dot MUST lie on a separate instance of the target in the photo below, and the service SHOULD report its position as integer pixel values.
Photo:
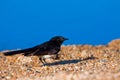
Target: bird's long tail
(17, 52)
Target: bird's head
(58, 39)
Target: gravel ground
(77, 62)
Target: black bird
(47, 49)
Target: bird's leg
(42, 59)
(56, 56)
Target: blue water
(26, 23)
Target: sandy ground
(77, 62)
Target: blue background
(26, 23)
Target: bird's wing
(46, 48)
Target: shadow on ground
(69, 61)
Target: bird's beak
(66, 39)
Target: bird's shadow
(69, 61)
